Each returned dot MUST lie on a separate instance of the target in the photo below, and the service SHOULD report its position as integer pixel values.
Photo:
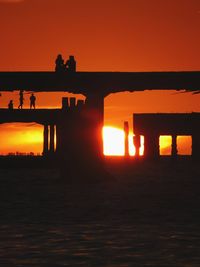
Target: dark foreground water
(140, 218)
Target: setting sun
(26, 138)
(113, 141)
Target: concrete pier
(153, 125)
(79, 125)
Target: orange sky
(122, 35)
(104, 35)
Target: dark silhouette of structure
(152, 126)
(32, 101)
(79, 125)
(10, 105)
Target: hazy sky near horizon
(104, 35)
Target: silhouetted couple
(69, 66)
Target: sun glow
(26, 138)
(21, 137)
(165, 142)
(113, 141)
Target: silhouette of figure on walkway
(21, 99)
(71, 64)
(60, 66)
(10, 105)
(32, 101)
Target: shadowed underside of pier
(102, 83)
(153, 125)
(41, 116)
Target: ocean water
(145, 219)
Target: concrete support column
(72, 102)
(79, 138)
(136, 142)
(151, 146)
(174, 146)
(94, 114)
(58, 138)
(65, 103)
(195, 146)
(52, 139)
(45, 140)
(126, 131)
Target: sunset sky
(103, 35)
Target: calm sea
(150, 220)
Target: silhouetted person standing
(21, 99)
(60, 66)
(71, 64)
(32, 101)
(10, 105)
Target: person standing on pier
(32, 101)
(21, 99)
(10, 105)
(60, 66)
(71, 64)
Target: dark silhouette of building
(32, 101)
(71, 64)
